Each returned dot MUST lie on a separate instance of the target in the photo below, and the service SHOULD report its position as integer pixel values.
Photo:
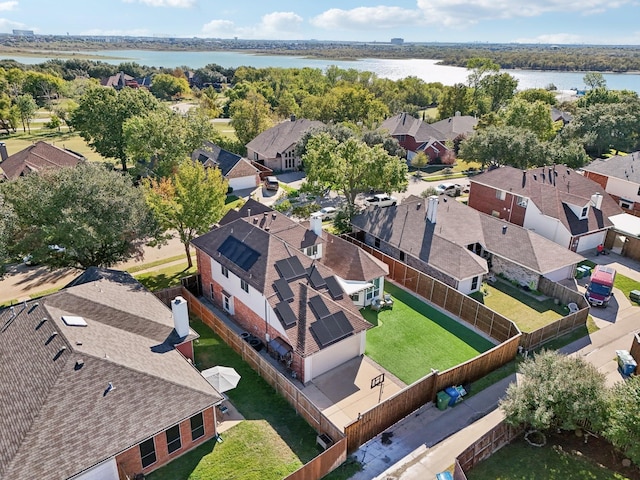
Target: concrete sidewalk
(428, 441)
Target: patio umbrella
(222, 378)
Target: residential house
(618, 177)
(456, 126)
(239, 172)
(459, 245)
(121, 80)
(98, 382)
(555, 202)
(275, 148)
(293, 286)
(35, 158)
(558, 115)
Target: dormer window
(585, 210)
(311, 251)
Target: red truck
(600, 287)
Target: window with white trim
(585, 210)
(474, 283)
(173, 438)
(501, 194)
(311, 251)
(244, 285)
(147, 453)
(197, 426)
(227, 303)
(224, 270)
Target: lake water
(427, 70)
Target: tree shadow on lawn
(186, 464)
(254, 398)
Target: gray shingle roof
(567, 187)
(37, 157)
(55, 417)
(211, 154)
(278, 139)
(453, 126)
(405, 124)
(443, 245)
(624, 167)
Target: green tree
(97, 215)
(250, 116)
(7, 219)
(594, 80)
(479, 68)
(504, 146)
(420, 160)
(166, 87)
(538, 94)
(27, 108)
(622, 428)
(100, 116)
(557, 391)
(351, 167)
(159, 140)
(499, 89)
(535, 117)
(190, 202)
(43, 87)
(458, 98)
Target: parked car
(56, 249)
(451, 189)
(381, 200)
(271, 183)
(326, 213)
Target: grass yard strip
(521, 461)
(64, 139)
(413, 337)
(165, 277)
(526, 311)
(162, 261)
(254, 398)
(251, 450)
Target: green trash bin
(442, 400)
(579, 272)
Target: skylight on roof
(72, 321)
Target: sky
(459, 21)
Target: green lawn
(526, 311)
(19, 141)
(521, 461)
(413, 337)
(165, 277)
(271, 443)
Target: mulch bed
(596, 450)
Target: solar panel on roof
(298, 269)
(318, 307)
(316, 279)
(286, 314)
(331, 329)
(239, 253)
(283, 289)
(284, 269)
(334, 287)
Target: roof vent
(60, 352)
(418, 206)
(266, 214)
(54, 334)
(108, 389)
(248, 212)
(274, 215)
(42, 322)
(79, 364)
(504, 229)
(33, 307)
(255, 220)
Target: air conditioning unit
(324, 440)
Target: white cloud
(276, 25)
(465, 12)
(8, 25)
(5, 6)
(553, 38)
(165, 3)
(138, 32)
(367, 18)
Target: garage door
(330, 357)
(241, 183)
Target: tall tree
(457, 98)
(499, 89)
(594, 80)
(96, 215)
(167, 87)
(557, 391)
(533, 116)
(7, 219)
(159, 140)
(101, 113)
(190, 202)
(478, 69)
(250, 116)
(622, 428)
(43, 87)
(27, 108)
(351, 167)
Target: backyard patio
(412, 337)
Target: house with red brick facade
(293, 286)
(97, 382)
(619, 176)
(555, 202)
(239, 172)
(415, 135)
(459, 245)
(275, 148)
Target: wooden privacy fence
(492, 441)
(635, 349)
(333, 456)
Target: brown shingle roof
(36, 157)
(443, 245)
(55, 417)
(405, 124)
(278, 139)
(552, 197)
(453, 126)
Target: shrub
(283, 206)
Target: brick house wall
(246, 318)
(130, 462)
(484, 199)
(244, 169)
(186, 349)
(598, 178)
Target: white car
(326, 213)
(381, 200)
(451, 189)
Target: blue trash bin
(454, 394)
(444, 476)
